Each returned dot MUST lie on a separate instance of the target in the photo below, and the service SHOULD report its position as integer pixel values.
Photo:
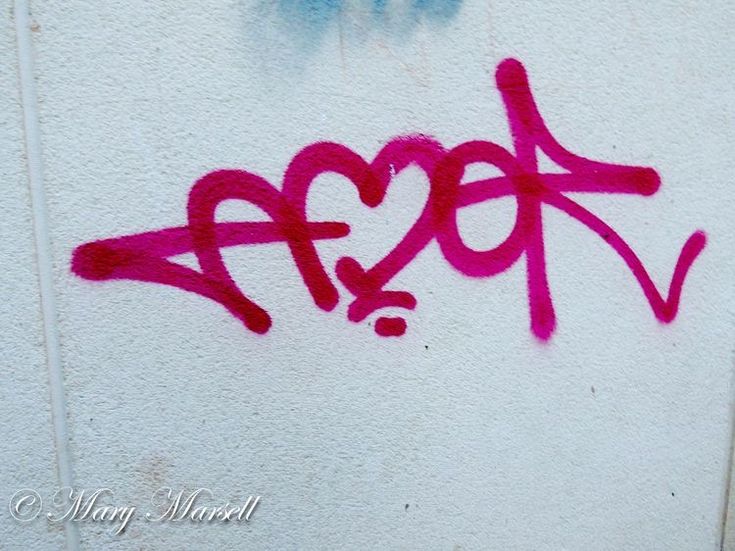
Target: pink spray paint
(145, 256)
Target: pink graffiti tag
(144, 256)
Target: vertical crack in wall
(43, 253)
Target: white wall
(27, 452)
(465, 433)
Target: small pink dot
(390, 327)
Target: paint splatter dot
(390, 327)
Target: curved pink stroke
(145, 256)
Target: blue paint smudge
(437, 10)
(314, 16)
(311, 15)
(379, 7)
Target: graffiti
(145, 256)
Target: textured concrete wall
(467, 432)
(27, 456)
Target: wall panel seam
(42, 241)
